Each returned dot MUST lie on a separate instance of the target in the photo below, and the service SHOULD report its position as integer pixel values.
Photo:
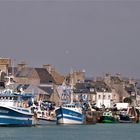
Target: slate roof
(48, 90)
(23, 86)
(25, 72)
(82, 88)
(98, 86)
(44, 76)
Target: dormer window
(91, 89)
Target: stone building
(84, 92)
(58, 78)
(38, 80)
(75, 77)
(97, 92)
(116, 83)
(4, 64)
(122, 88)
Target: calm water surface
(72, 132)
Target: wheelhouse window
(15, 98)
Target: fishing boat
(45, 113)
(130, 115)
(90, 117)
(107, 117)
(45, 117)
(124, 118)
(13, 112)
(14, 108)
(70, 114)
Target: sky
(98, 36)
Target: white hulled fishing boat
(69, 113)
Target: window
(114, 96)
(103, 96)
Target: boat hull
(10, 116)
(68, 116)
(107, 119)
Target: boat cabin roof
(70, 105)
(15, 95)
(108, 113)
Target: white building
(104, 98)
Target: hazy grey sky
(98, 36)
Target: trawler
(14, 107)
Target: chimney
(48, 67)
(21, 65)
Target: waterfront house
(97, 92)
(103, 95)
(84, 91)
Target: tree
(127, 100)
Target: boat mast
(136, 104)
(72, 87)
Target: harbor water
(72, 132)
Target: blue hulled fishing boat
(13, 111)
(15, 107)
